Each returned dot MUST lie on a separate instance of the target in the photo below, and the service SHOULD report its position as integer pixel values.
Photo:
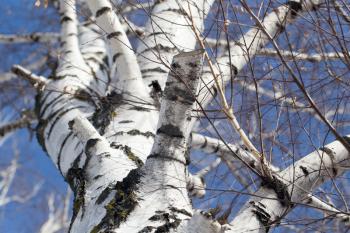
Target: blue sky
(18, 16)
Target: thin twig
(37, 81)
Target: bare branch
(288, 55)
(26, 119)
(342, 12)
(196, 184)
(274, 199)
(69, 36)
(38, 82)
(128, 71)
(296, 78)
(40, 37)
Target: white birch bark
(163, 200)
(167, 33)
(277, 197)
(99, 126)
(48, 37)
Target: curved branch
(291, 186)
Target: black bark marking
(72, 34)
(90, 144)
(61, 149)
(102, 11)
(58, 77)
(115, 56)
(156, 87)
(66, 19)
(264, 218)
(281, 27)
(132, 156)
(179, 95)
(204, 145)
(170, 221)
(294, 6)
(182, 211)
(160, 48)
(76, 179)
(326, 150)
(54, 100)
(166, 157)
(140, 109)
(215, 92)
(176, 10)
(158, 69)
(280, 189)
(138, 132)
(157, 33)
(234, 69)
(175, 65)
(170, 130)
(147, 229)
(40, 99)
(128, 152)
(59, 116)
(83, 95)
(105, 111)
(252, 164)
(125, 122)
(122, 204)
(113, 35)
(104, 194)
(97, 177)
(304, 170)
(331, 155)
(216, 149)
(40, 132)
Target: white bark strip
(43, 37)
(227, 152)
(38, 82)
(128, 72)
(275, 199)
(102, 158)
(294, 55)
(103, 168)
(69, 35)
(94, 51)
(162, 189)
(328, 210)
(168, 32)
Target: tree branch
(102, 159)
(162, 184)
(276, 198)
(40, 37)
(127, 69)
(166, 33)
(297, 79)
(26, 119)
(38, 82)
(69, 36)
(240, 52)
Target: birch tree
(151, 102)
